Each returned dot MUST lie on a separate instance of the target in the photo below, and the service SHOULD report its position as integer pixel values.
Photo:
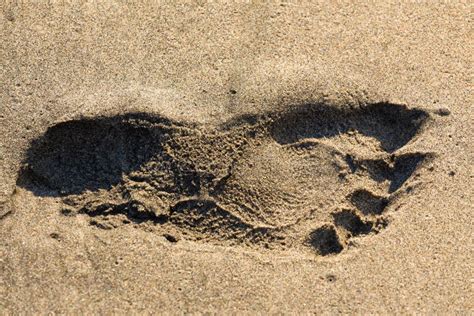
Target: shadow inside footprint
(91, 154)
(404, 167)
(392, 125)
(325, 240)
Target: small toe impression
(368, 203)
(325, 240)
(351, 222)
(404, 167)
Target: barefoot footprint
(311, 178)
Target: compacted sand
(236, 158)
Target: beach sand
(236, 158)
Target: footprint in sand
(311, 178)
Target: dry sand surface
(236, 158)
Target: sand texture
(236, 158)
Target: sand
(236, 158)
